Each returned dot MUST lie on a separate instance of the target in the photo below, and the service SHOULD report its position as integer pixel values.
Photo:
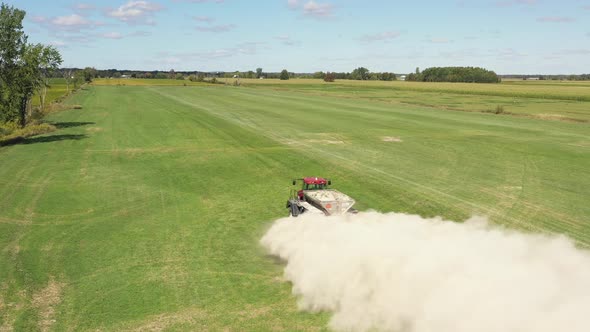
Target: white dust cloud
(397, 272)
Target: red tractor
(316, 197)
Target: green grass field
(143, 212)
(145, 82)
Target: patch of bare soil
(391, 139)
(165, 321)
(252, 312)
(94, 129)
(45, 301)
(3, 311)
(324, 141)
(317, 139)
(558, 117)
(14, 221)
(582, 144)
(10, 310)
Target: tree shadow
(53, 138)
(62, 125)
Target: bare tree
(48, 62)
(68, 74)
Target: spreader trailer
(315, 197)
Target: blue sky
(507, 36)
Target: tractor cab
(311, 183)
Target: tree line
(173, 74)
(542, 77)
(25, 68)
(360, 74)
(454, 74)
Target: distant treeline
(180, 75)
(455, 74)
(435, 74)
(360, 73)
(582, 77)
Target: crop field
(144, 210)
(566, 90)
(565, 101)
(57, 88)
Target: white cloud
(208, 27)
(205, 19)
(312, 9)
(579, 51)
(39, 19)
(383, 36)
(140, 34)
(57, 43)
(555, 19)
(136, 12)
(216, 28)
(247, 48)
(461, 54)
(81, 7)
(509, 3)
(507, 54)
(79, 39)
(318, 10)
(199, 1)
(118, 35)
(287, 40)
(440, 40)
(70, 21)
(112, 35)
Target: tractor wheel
(295, 210)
